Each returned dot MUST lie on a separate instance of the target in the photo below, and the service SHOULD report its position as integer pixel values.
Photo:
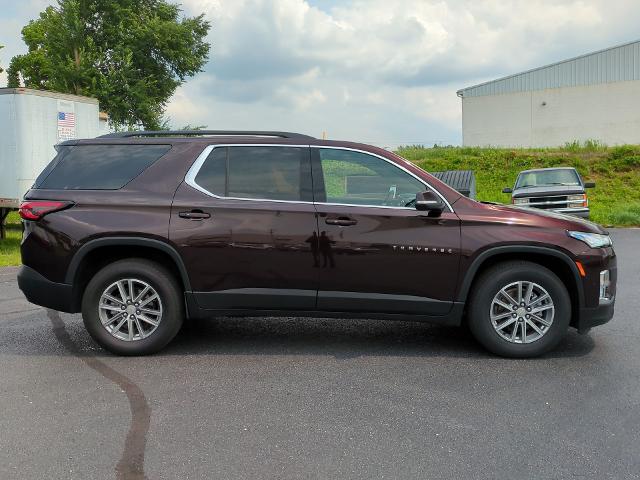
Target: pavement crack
(131, 463)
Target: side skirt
(452, 318)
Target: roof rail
(190, 133)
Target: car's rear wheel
(519, 309)
(133, 307)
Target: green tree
(1, 47)
(166, 125)
(129, 54)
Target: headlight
(577, 201)
(594, 240)
(520, 201)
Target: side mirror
(589, 184)
(429, 202)
(507, 190)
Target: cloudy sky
(377, 71)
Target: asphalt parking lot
(314, 398)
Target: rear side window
(100, 167)
(270, 173)
(213, 173)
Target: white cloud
(385, 70)
(375, 70)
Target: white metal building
(591, 97)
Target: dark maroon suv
(139, 231)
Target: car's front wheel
(133, 307)
(519, 309)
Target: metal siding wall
(618, 64)
(606, 112)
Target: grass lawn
(615, 201)
(10, 246)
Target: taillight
(36, 209)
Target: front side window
(356, 178)
(258, 172)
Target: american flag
(66, 119)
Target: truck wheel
(519, 309)
(133, 307)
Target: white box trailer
(31, 123)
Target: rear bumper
(592, 317)
(43, 292)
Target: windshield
(548, 177)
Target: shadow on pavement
(339, 338)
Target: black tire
(501, 275)
(162, 281)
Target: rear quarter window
(100, 167)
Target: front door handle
(194, 215)
(341, 221)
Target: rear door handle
(194, 215)
(341, 221)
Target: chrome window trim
(192, 173)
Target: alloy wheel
(522, 312)
(130, 309)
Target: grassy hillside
(616, 171)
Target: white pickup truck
(31, 123)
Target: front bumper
(576, 212)
(582, 213)
(592, 317)
(595, 310)
(44, 292)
